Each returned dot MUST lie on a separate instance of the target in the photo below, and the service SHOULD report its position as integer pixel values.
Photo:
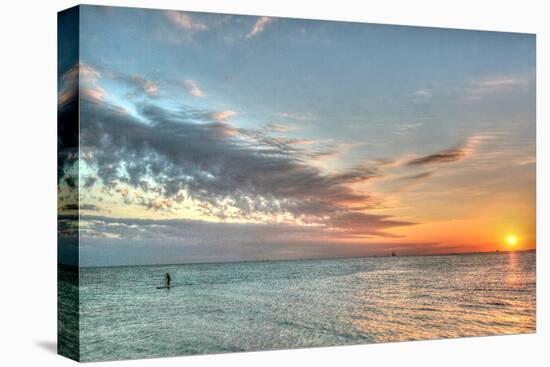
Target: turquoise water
(230, 307)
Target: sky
(212, 137)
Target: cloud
(418, 176)
(66, 95)
(296, 116)
(88, 207)
(88, 74)
(280, 128)
(125, 241)
(151, 89)
(93, 93)
(503, 83)
(232, 173)
(258, 27)
(407, 128)
(361, 224)
(83, 78)
(140, 84)
(67, 134)
(479, 89)
(91, 76)
(193, 89)
(158, 204)
(356, 175)
(451, 155)
(445, 156)
(382, 162)
(70, 82)
(421, 94)
(89, 181)
(184, 21)
(221, 116)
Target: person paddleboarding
(167, 280)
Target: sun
(511, 240)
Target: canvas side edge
(68, 212)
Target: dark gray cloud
(219, 165)
(89, 207)
(359, 223)
(446, 156)
(418, 176)
(454, 154)
(67, 130)
(191, 232)
(71, 181)
(125, 241)
(67, 225)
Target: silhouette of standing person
(167, 280)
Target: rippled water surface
(247, 306)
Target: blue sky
(381, 121)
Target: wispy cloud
(529, 159)
(478, 89)
(88, 82)
(221, 116)
(90, 78)
(259, 26)
(83, 77)
(193, 89)
(184, 20)
(418, 176)
(421, 94)
(88, 73)
(451, 155)
(407, 128)
(66, 95)
(503, 83)
(280, 128)
(140, 85)
(93, 93)
(445, 156)
(296, 116)
(151, 89)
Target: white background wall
(28, 181)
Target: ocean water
(249, 306)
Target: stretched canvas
(234, 183)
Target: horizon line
(304, 259)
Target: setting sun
(511, 240)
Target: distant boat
(393, 253)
